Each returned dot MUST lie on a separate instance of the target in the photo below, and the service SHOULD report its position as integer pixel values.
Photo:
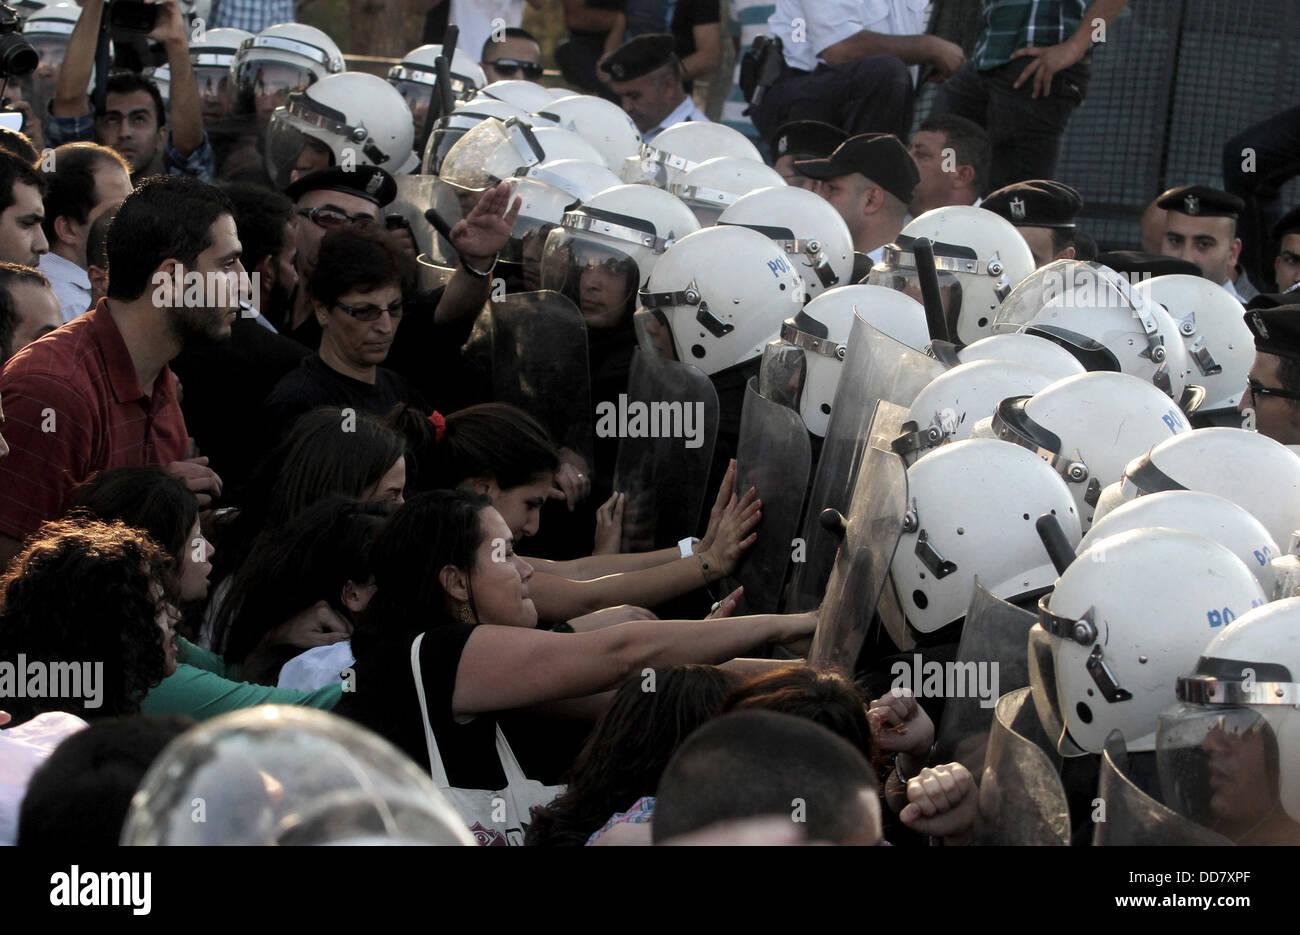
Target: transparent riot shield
(539, 363)
(1131, 817)
(871, 529)
(774, 456)
(1021, 798)
(416, 196)
(876, 368)
(667, 423)
(994, 638)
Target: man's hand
(946, 57)
(481, 235)
(1048, 60)
(942, 801)
(171, 27)
(198, 477)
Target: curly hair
(628, 750)
(80, 592)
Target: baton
(1053, 536)
(923, 250)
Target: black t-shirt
(386, 702)
(651, 16)
(315, 383)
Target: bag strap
(438, 771)
(509, 764)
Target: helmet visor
(291, 153)
(654, 333)
(214, 91)
(907, 281)
(783, 374)
(263, 85)
(418, 97)
(598, 277)
(488, 153)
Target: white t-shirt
(317, 667)
(809, 27)
(475, 19)
(23, 750)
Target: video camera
(17, 58)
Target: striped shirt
(250, 15)
(1009, 25)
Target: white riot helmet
(1028, 349)
(973, 509)
(212, 58)
(948, 406)
(451, 127)
(579, 178)
(47, 30)
(715, 184)
(1088, 427)
(541, 211)
(682, 147)
(801, 369)
(526, 95)
(279, 775)
(417, 74)
(353, 117)
(601, 123)
(808, 228)
(558, 143)
(1228, 753)
(1253, 471)
(279, 60)
(1210, 323)
(896, 315)
(606, 248)
(979, 257)
(716, 297)
(1202, 513)
(1127, 617)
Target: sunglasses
(1258, 389)
(372, 312)
(331, 217)
(508, 67)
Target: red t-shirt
(73, 406)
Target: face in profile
(1243, 782)
(499, 580)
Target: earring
(465, 615)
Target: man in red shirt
(97, 393)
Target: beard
(198, 327)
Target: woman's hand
(609, 525)
(725, 490)
(318, 625)
(900, 725)
(727, 606)
(735, 533)
(942, 801)
(797, 628)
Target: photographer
(134, 121)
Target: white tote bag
(493, 817)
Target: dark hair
(80, 593)
(492, 440)
(145, 498)
(427, 533)
(355, 258)
(510, 32)
(628, 750)
(310, 559)
(14, 170)
(18, 144)
(128, 82)
(260, 217)
(71, 190)
(1061, 238)
(97, 237)
(829, 698)
(11, 273)
(324, 453)
(166, 217)
(1085, 248)
(1288, 374)
(81, 795)
(968, 140)
(753, 763)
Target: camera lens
(17, 57)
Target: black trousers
(869, 95)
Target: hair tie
(439, 426)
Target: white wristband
(687, 546)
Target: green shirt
(204, 686)
(1016, 24)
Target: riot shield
(667, 423)
(1132, 817)
(876, 368)
(1021, 798)
(872, 527)
(774, 456)
(416, 196)
(995, 635)
(539, 363)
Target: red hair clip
(439, 426)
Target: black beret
(807, 138)
(1036, 203)
(881, 157)
(1276, 330)
(1201, 201)
(1290, 224)
(1274, 299)
(1132, 262)
(369, 182)
(640, 56)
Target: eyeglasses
(372, 312)
(1258, 389)
(331, 217)
(508, 67)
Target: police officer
(1286, 267)
(803, 139)
(1043, 211)
(647, 77)
(1273, 386)
(1201, 226)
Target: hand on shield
(900, 725)
(735, 532)
(480, 235)
(572, 483)
(609, 525)
(725, 490)
(942, 801)
(727, 606)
